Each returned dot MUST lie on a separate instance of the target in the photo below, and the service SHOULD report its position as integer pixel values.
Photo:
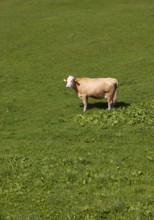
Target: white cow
(94, 87)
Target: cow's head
(70, 81)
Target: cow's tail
(115, 91)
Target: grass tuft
(142, 113)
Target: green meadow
(57, 162)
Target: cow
(94, 87)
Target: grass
(132, 115)
(52, 166)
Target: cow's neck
(75, 87)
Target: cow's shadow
(104, 105)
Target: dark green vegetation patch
(142, 113)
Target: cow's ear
(65, 79)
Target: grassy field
(55, 161)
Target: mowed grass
(51, 166)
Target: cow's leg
(110, 101)
(110, 105)
(114, 97)
(85, 101)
